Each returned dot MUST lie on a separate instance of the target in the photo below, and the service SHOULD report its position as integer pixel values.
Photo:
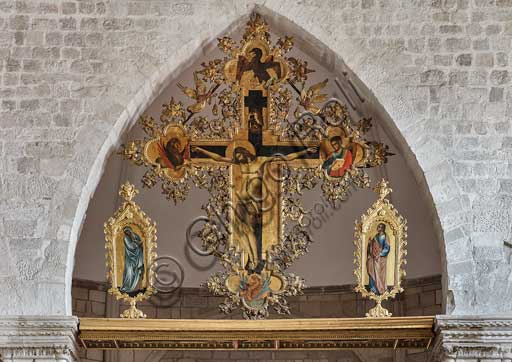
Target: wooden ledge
(284, 334)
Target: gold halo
(233, 283)
(239, 143)
(336, 131)
(359, 157)
(277, 284)
(256, 43)
(180, 133)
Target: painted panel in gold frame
(130, 242)
(169, 151)
(380, 241)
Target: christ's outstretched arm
(294, 156)
(212, 155)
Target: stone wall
(76, 74)
(292, 356)
(89, 299)
(421, 297)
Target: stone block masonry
(75, 74)
(89, 299)
(421, 297)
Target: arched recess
(403, 133)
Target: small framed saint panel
(130, 242)
(340, 153)
(380, 253)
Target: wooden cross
(254, 158)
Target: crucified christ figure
(249, 192)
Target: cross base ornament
(378, 311)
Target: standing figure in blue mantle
(133, 261)
(378, 250)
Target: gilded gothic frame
(380, 222)
(130, 224)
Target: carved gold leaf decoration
(256, 28)
(285, 44)
(299, 69)
(172, 113)
(226, 44)
(312, 97)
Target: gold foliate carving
(171, 113)
(130, 242)
(299, 70)
(128, 191)
(256, 28)
(311, 98)
(380, 251)
(237, 138)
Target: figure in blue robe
(378, 250)
(133, 261)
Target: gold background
(119, 255)
(391, 258)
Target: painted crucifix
(256, 190)
(246, 135)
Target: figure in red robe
(339, 160)
(171, 155)
(378, 250)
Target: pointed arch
(431, 166)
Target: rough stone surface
(39, 338)
(76, 74)
(473, 338)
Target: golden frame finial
(128, 191)
(379, 257)
(383, 189)
(130, 235)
